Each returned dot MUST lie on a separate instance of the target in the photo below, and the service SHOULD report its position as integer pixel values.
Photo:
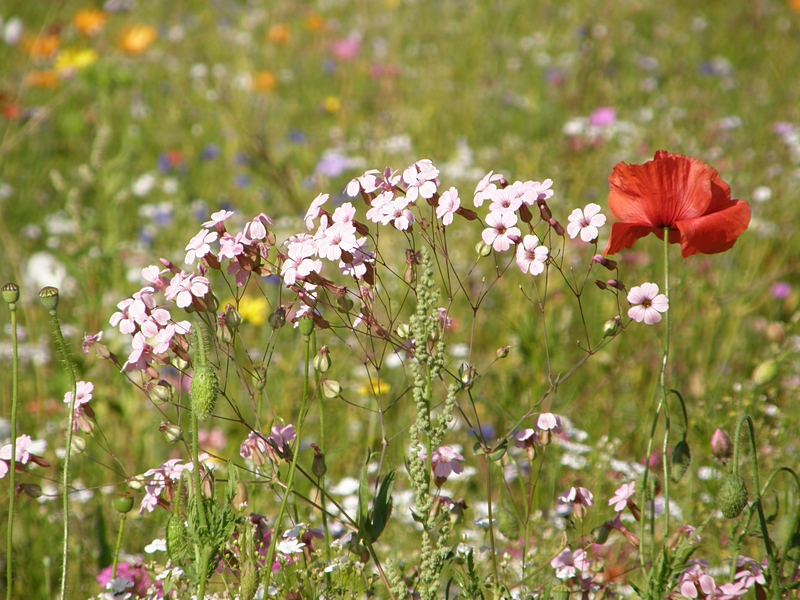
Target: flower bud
(48, 296)
(483, 249)
(404, 331)
(278, 318)
(318, 466)
(601, 260)
(233, 317)
(466, 375)
(601, 284)
(11, 293)
(78, 444)
(617, 284)
(203, 391)
(681, 459)
(306, 326)
(259, 377)
(344, 304)
(173, 433)
(600, 534)
(558, 227)
(177, 545)
(211, 302)
(503, 352)
(732, 497)
(545, 210)
(330, 388)
(123, 503)
(223, 331)
(161, 392)
(249, 582)
(322, 361)
(721, 446)
(179, 363)
(137, 483)
(611, 327)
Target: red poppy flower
(681, 193)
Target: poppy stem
(663, 383)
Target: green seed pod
(278, 318)
(322, 361)
(204, 391)
(560, 592)
(508, 524)
(681, 459)
(611, 327)
(123, 503)
(10, 293)
(344, 304)
(306, 326)
(177, 546)
(249, 582)
(49, 298)
(732, 497)
(482, 249)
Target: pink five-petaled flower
(420, 179)
(445, 460)
(232, 246)
(338, 238)
(578, 499)
(509, 198)
(751, 574)
(21, 455)
(647, 303)
(84, 394)
(569, 565)
(366, 182)
(186, 286)
(279, 440)
(486, 187)
(620, 498)
(217, 218)
(449, 203)
(695, 582)
(585, 222)
(501, 233)
(531, 257)
(198, 246)
(314, 210)
(254, 448)
(299, 262)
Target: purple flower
(780, 290)
(603, 117)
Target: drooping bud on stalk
(503, 352)
(344, 304)
(233, 317)
(173, 433)
(601, 260)
(161, 392)
(721, 446)
(11, 293)
(49, 299)
(681, 459)
(601, 284)
(322, 361)
(330, 388)
(617, 284)
(558, 227)
(732, 497)
(204, 388)
(508, 524)
(318, 466)
(545, 210)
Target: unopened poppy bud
(330, 388)
(177, 544)
(601, 284)
(233, 317)
(203, 391)
(123, 503)
(161, 392)
(732, 497)
(601, 260)
(611, 327)
(404, 331)
(483, 249)
(617, 284)
(48, 296)
(721, 446)
(249, 582)
(322, 361)
(11, 293)
(306, 326)
(681, 459)
(558, 227)
(172, 432)
(503, 352)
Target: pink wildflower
(198, 246)
(449, 203)
(501, 231)
(647, 303)
(315, 210)
(421, 180)
(531, 257)
(585, 222)
(486, 187)
(445, 460)
(620, 498)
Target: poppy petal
(624, 235)
(715, 232)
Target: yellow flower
(264, 81)
(253, 309)
(279, 34)
(137, 39)
(315, 22)
(72, 59)
(89, 21)
(46, 80)
(332, 104)
(374, 387)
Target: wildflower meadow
(400, 299)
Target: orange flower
(137, 39)
(794, 5)
(279, 34)
(315, 22)
(46, 80)
(264, 81)
(678, 192)
(43, 47)
(89, 21)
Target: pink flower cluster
(161, 478)
(82, 411)
(275, 446)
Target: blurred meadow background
(124, 125)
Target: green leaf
(362, 516)
(233, 480)
(382, 506)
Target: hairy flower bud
(732, 497)
(508, 524)
(721, 446)
(249, 582)
(765, 372)
(203, 391)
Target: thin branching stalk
(118, 545)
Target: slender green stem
(13, 466)
(122, 518)
(796, 522)
(321, 482)
(293, 466)
(663, 383)
(773, 567)
(198, 490)
(493, 548)
(62, 347)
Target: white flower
(290, 546)
(647, 303)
